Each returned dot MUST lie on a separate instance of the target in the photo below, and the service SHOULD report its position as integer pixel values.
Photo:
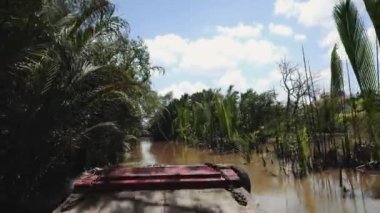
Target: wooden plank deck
(170, 201)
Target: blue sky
(214, 43)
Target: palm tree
(72, 84)
(356, 43)
(373, 9)
(359, 50)
(79, 99)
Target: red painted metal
(155, 178)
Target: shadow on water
(275, 189)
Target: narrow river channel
(274, 190)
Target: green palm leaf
(336, 87)
(224, 117)
(356, 43)
(373, 9)
(89, 12)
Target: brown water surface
(275, 190)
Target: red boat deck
(156, 178)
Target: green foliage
(74, 93)
(373, 9)
(358, 48)
(245, 144)
(336, 87)
(347, 147)
(223, 122)
(227, 113)
(354, 37)
(256, 110)
(162, 123)
(327, 109)
(303, 151)
(182, 122)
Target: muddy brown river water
(273, 189)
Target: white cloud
(330, 39)
(165, 49)
(183, 87)
(241, 30)
(232, 77)
(271, 81)
(324, 75)
(262, 52)
(235, 78)
(280, 29)
(242, 83)
(322, 79)
(310, 12)
(316, 12)
(300, 37)
(288, 8)
(224, 51)
(220, 52)
(227, 54)
(261, 85)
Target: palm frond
(110, 27)
(224, 117)
(356, 43)
(89, 12)
(98, 93)
(87, 68)
(53, 12)
(336, 87)
(52, 74)
(109, 124)
(373, 9)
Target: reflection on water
(274, 189)
(147, 157)
(141, 155)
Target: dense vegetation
(311, 129)
(217, 121)
(73, 91)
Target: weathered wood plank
(183, 201)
